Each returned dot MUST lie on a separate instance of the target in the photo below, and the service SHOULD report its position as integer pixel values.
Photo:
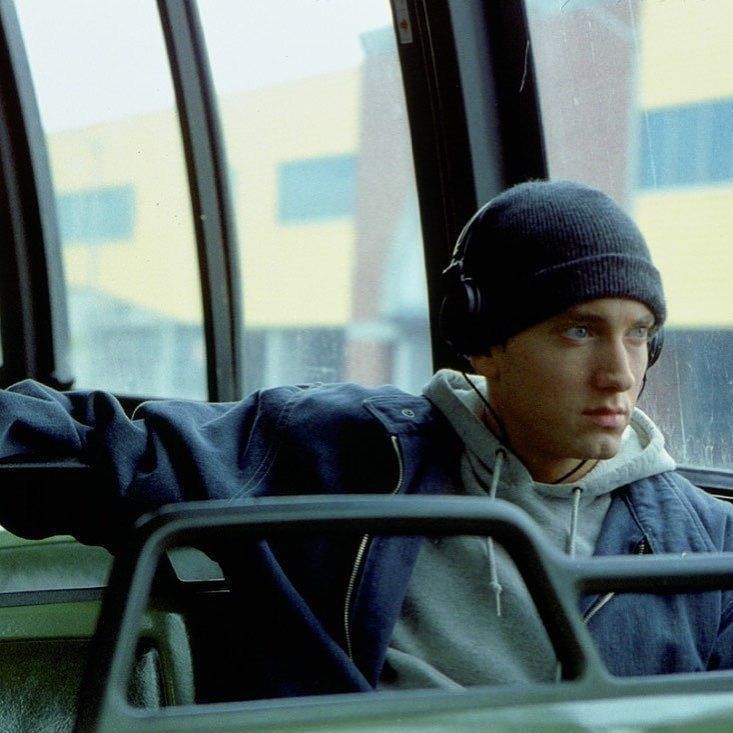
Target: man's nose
(614, 370)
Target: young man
(553, 296)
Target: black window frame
(211, 201)
(33, 306)
(474, 118)
(33, 318)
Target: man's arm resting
(75, 463)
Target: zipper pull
(642, 548)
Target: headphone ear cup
(453, 310)
(473, 299)
(460, 312)
(655, 347)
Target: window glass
(107, 107)
(637, 99)
(317, 141)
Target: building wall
(686, 99)
(286, 259)
(154, 265)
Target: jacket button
(407, 412)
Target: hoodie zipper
(361, 552)
(641, 549)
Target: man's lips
(607, 417)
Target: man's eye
(640, 332)
(577, 332)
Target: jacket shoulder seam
(260, 472)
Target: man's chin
(606, 448)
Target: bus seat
(43, 654)
(50, 596)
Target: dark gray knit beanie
(541, 247)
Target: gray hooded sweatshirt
(468, 618)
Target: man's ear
(485, 365)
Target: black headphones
(655, 346)
(462, 321)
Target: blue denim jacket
(317, 615)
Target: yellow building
(133, 170)
(292, 149)
(685, 201)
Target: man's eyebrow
(646, 320)
(574, 314)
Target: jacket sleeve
(170, 451)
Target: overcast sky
(96, 60)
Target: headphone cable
(492, 412)
(505, 439)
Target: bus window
(314, 121)
(107, 108)
(637, 99)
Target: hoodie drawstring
(494, 583)
(577, 491)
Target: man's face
(565, 388)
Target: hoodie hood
(641, 454)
